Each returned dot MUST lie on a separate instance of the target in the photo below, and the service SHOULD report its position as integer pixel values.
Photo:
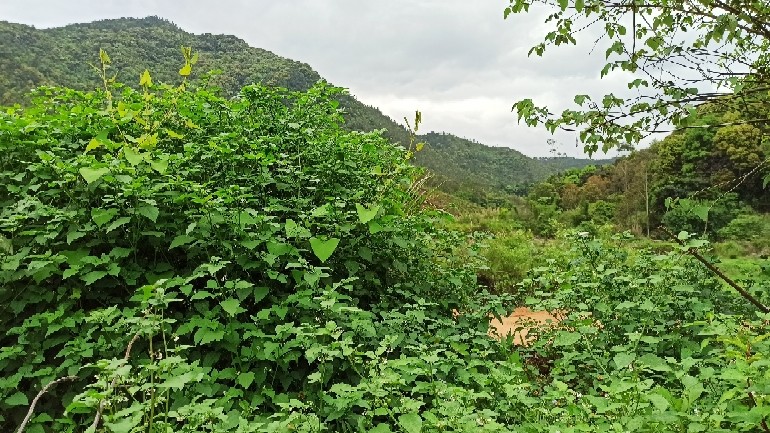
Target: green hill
(32, 57)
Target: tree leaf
(658, 401)
(623, 359)
(93, 144)
(93, 277)
(260, 293)
(118, 222)
(410, 422)
(149, 211)
(701, 212)
(181, 240)
(93, 174)
(178, 381)
(323, 249)
(103, 216)
(245, 379)
(365, 215)
(132, 156)
(566, 338)
(381, 428)
(123, 425)
(186, 70)
(17, 399)
(232, 306)
(145, 79)
(160, 165)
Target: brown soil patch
(520, 323)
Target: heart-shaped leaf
(323, 249)
(411, 422)
(132, 156)
(93, 174)
(365, 215)
(232, 306)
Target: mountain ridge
(60, 55)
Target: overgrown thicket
(176, 261)
(647, 342)
(209, 264)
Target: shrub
(200, 263)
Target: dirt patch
(522, 317)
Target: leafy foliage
(273, 268)
(56, 57)
(676, 55)
(646, 342)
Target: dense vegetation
(706, 180)
(59, 56)
(178, 259)
(482, 174)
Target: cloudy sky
(457, 61)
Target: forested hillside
(716, 175)
(32, 57)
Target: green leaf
(124, 424)
(320, 211)
(206, 335)
(93, 144)
(17, 399)
(93, 277)
(251, 244)
(323, 249)
(186, 70)
(178, 381)
(563, 4)
(160, 165)
(93, 174)
(145, 79)
(294, 230)
(565, 338)
(181, 240)
(410, 422)
(245, 379)
(260, 293)
(623, 360)
(103, 216)
(232, 306)
(658, 401)
(73, 236)
(381, 428)
(117, 223)
(579, 5)
(104, 57)
(150, 212)
(365, 215)
(701, 212)
(374, 227)
(132, 156)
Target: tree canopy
(679, 54)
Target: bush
(745, 227)
(198, 263)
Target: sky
(457, 61)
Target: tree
(679, 54)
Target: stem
(114, 382)
(693, 252)
(37, 398)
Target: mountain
(31, 57)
